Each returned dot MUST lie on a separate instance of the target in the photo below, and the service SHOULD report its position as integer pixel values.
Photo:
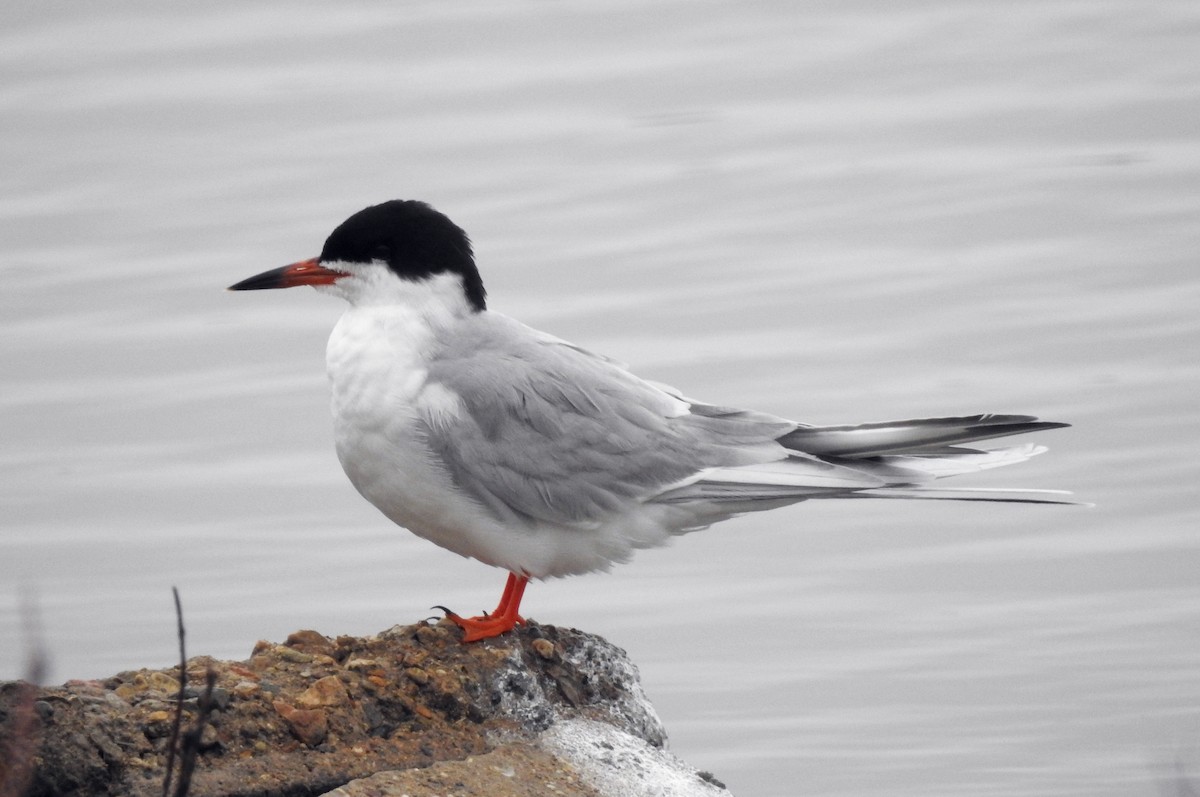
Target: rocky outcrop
(409, 711)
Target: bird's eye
(381, 252)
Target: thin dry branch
(185, 745)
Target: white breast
(381, 406)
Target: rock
(412, 710)
(308, 725)
(513, 770)
(291, 654)
(544, 648)
(327, 691)
(311, 642)
(618, 763)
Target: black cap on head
(413, 239)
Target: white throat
(384, 341)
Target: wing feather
(547, 432)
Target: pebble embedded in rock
(158, 724)
(245, 689)
(544, 648)
(244, 672)
(308, 725)
(149, 682)
(221, 698)
(432, 634)
(292, 655)
(311, 642)
(328, 691)
(116, 701)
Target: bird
(529, 453)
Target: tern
(516, 448)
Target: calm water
(851, 212)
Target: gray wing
(547, 431)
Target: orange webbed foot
(501, 621)
(483, 626)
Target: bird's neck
(404, 323)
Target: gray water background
(835, 212)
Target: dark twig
(174, 743)
(185, 744)
(190, 747)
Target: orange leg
(501, 620)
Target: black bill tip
(261, 282)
